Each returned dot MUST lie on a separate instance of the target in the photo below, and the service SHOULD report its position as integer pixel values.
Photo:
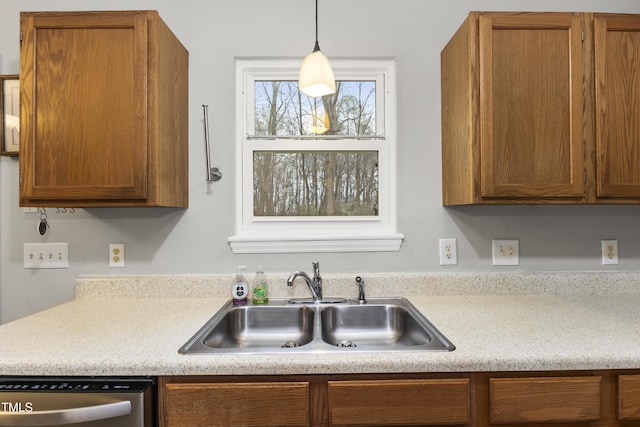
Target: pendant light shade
(316, 75)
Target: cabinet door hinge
(582, 35)
(584, 176)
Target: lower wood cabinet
(483, 399)
(545, 399)
(237, 404)
(629, 397)
(399, 402)
(315, 400)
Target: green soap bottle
(260, 287)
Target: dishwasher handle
(65, 416)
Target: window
(315, 174)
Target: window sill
(302, 244)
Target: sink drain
(291, 344)
(346, 343)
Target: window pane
(315, 183)
(282, 110)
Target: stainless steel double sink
(283, 326)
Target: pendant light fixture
(316, 75)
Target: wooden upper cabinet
(617, 71)
(104, 105)
(512, 110)
(530, 106)
(542, 108)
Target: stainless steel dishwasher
(80, 402)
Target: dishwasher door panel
(102, 404)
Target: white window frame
(256, 234)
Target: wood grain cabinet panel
(544, 399)
(530, 106)
(617, 65)
(604, 398)
(512, 110)
(104, 106)
(629, 397)
(236, 404)
(541, 108)
(399, 402)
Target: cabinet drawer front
(545, 399)
(401, 402)
(237, 404)
(629, 397)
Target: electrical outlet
(116, 255)
(448, 252)
(46, 255)
(506, 252)
(609, 252)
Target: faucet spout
(315, 284)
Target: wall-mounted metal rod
(213, 173)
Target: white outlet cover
(116, 255)
(448, 251)
(505, 251)
(610, 252)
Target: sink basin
(382, 324)
(254, 327)
(243, 327)
(379, 325)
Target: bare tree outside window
(308, 182)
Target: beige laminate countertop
(139, 333)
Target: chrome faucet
(315, 284)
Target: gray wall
(167, 241)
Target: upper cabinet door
(85, 106)
(617, 69)
(104, 109)
(531, 109)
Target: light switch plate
(505, 252)
(46, 255)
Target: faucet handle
(360, 282)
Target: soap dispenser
(239, 287)
(260, 287)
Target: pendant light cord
(317, 46)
